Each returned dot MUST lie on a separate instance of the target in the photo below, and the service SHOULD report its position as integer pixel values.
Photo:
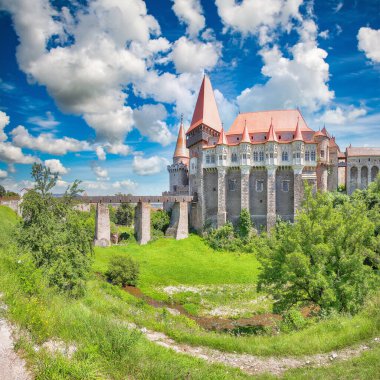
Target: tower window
(285, 186)
(213, 159)
(244, 156)
(312, 155)
(261, 156)
(255, 156)
(271, 155)
(307, 156)
(232, 184)
(298, 155)
(285, 156)
(259, 185)
(234, 157)
(322, 153)
(207, 159)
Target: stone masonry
(142, 222)
(102, 227)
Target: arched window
(285, 156)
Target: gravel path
(256, 364)
(11, 366)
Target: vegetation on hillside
(52, 236)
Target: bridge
(179, 221)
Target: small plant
(123, 271)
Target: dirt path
(11, 366)
(255, 364)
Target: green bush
(124, 215)
(223, 238)
(160, 220)
(293, 320)
(244, 226)
(123, 271)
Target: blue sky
(95, 89)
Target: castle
(260, 164)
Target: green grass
(107, 349)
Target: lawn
(107, 349)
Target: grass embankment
(106, 348)
(96, 323)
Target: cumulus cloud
(14, 155)
(342, 115)
(100, 172)
(3, 173)
(123, 186)
(258, 17)
(56, 166)
(194, 56)
(190, 13)
(369, 42)
(149, 120)
(227, 109)
(149, 166)
(47, 122)
(4, 121)
(100, 152)
(46, 142)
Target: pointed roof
(222, 138)
(206, 111)
(245, 137)
(180, 150)
(271, 135)
(298, 134)
(324, 131)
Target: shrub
(293, 320)
(223, 238)
(122, 271)
(124, 214)
(160, 220)
(244, 227)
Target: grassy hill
(107, 348)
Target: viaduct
(179, 222)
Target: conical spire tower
(206, 111)
(181, 153)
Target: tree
(2, 191)
(124, 214)
(55, 235)
(320, 259)
(244, 227)
(160, 220)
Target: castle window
(232, 184)
(213, 159)
(285, 156)
(234, 157)
(175, 188)
(255, 156)
(244, 156)
(220, 157)
(224, 157)
(285, 186)
(307, 156)
(271, 155)
(261, 156)
(322, 153)
(207, 159)
(298, 155)
(313, 155)
(259, 185)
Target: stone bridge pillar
(142, 222)
(179, 222)
(102, 226)
(271, 198)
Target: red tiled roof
(271, 135)
(180, 150)
(283, 121)
(362, 151)
(222, 138)
(206, 111)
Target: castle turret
(179, 170)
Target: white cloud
(4, 121)
(149, 166)
(3, 173)
(190, 12)
(47, 122)
(100, 172)
(369, 42)
(13, 155)
(56, 166)
(258, 17)
(100, 153)
(227, 109)
(96, 187)
(338, 7)
(324, 34)
(342, 115)
(46, 142)
(194, 56)
(149, 121)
